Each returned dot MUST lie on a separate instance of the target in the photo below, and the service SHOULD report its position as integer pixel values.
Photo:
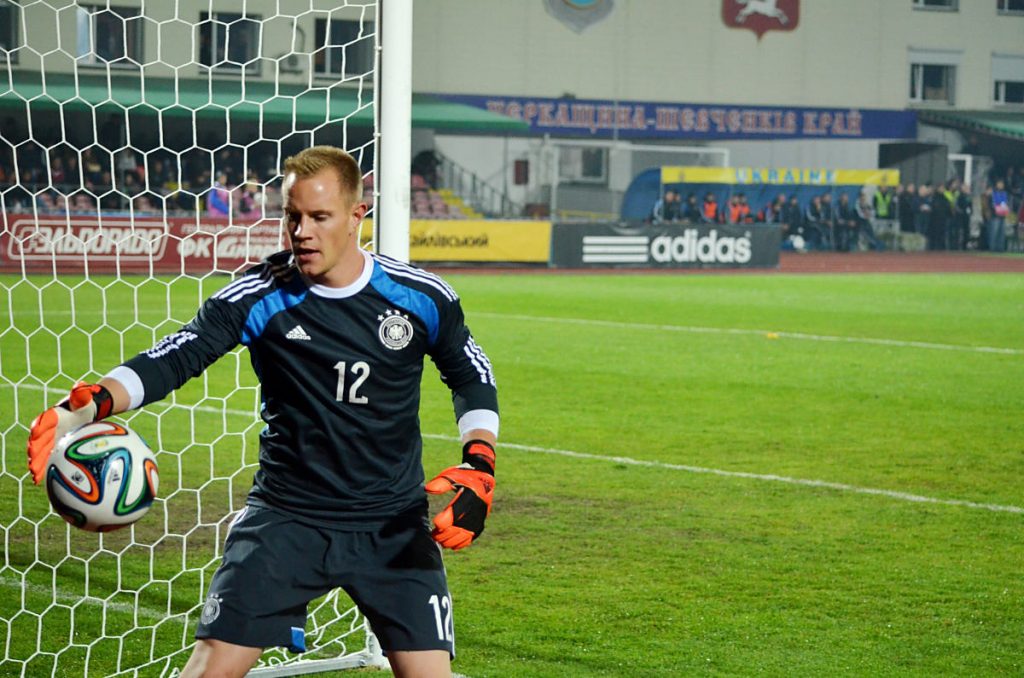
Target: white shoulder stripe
(281, 270)
(234, 285)
(432, 276)
(437, 284)
(483, 358)
(476, 363)
(249, 290)
(418, 274)
(473, 346)
(244, 281)
(395, 265)
(241, 287)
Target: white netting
(139, 147)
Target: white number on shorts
(362, 371)
(445, 631)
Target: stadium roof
(997, 123)
(212, 98)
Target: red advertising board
(102, 244)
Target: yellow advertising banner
(795, 176)
(474, 240)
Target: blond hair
(315, 159)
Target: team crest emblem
(579, 14)
(395, 330)
(761, 16)
(211, 610)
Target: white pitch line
(66, 597)
(737, 331)
(693, 329)
(767, 477)
(764, 477)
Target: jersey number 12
(360, 371)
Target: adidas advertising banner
(665, 245)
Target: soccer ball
(101, 476)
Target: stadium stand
(47, 186)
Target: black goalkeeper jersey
(340, 373)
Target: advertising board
(665, 245)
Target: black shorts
(274, 565)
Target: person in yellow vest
(952, 193)
(884, 208)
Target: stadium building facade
(859, 76)
(551, 101)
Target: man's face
(322, 221)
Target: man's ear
(356, 215)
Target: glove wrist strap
(480, 455)
(103, 400)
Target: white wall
(804, 153)
(843, 53)
(486, 156)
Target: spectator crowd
(64, 180)
(165, 184)
(943, 215)
(244, 184)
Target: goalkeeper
(337, 338)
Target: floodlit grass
(593, 565)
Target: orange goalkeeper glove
(462, 520)
(85, 404)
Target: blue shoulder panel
(411, 300)
(265, 309)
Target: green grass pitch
(655, 512)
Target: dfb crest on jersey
(761, 16)
(395, 330)
(211, 610)
(579, 14)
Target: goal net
(140, 143)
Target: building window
(933, 75)
(1008, 78)
(109, 35)
(943, 5)
(343, 47)
(8, 31)
(1009, 92)
(1010, 6)
(229, 41)
(583, 164)
(932, 83)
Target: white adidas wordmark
(298, 333)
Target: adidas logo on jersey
(298, 334)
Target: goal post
(394, 142)
(140, 147)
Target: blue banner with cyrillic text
(597, 118)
